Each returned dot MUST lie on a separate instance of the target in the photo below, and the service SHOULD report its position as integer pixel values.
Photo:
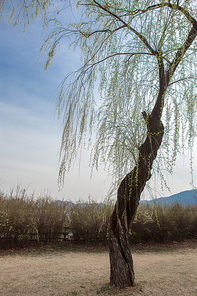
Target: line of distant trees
(27, 221)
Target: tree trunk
(128, 196)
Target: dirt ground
(159, 271)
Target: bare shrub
(89, 220)
(51, 218)
(164, 223)
(16, 218)
(23, 219)
(26, 220)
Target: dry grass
(169, 271)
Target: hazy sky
(30, 134)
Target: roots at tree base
(122, 273)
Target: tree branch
(101, 31)
(166, 4)
(180, 53)
(183, 10)
(111, 56)
(141, 37)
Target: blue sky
(29, 130)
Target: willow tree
(143, 54)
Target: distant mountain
(188, 197)
(70, 204)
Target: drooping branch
(98, 53)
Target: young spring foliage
(23, 12)
(125, 46)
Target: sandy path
(79, 273)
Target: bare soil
(159, 270)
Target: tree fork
(128, 196)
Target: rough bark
(128, 196)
